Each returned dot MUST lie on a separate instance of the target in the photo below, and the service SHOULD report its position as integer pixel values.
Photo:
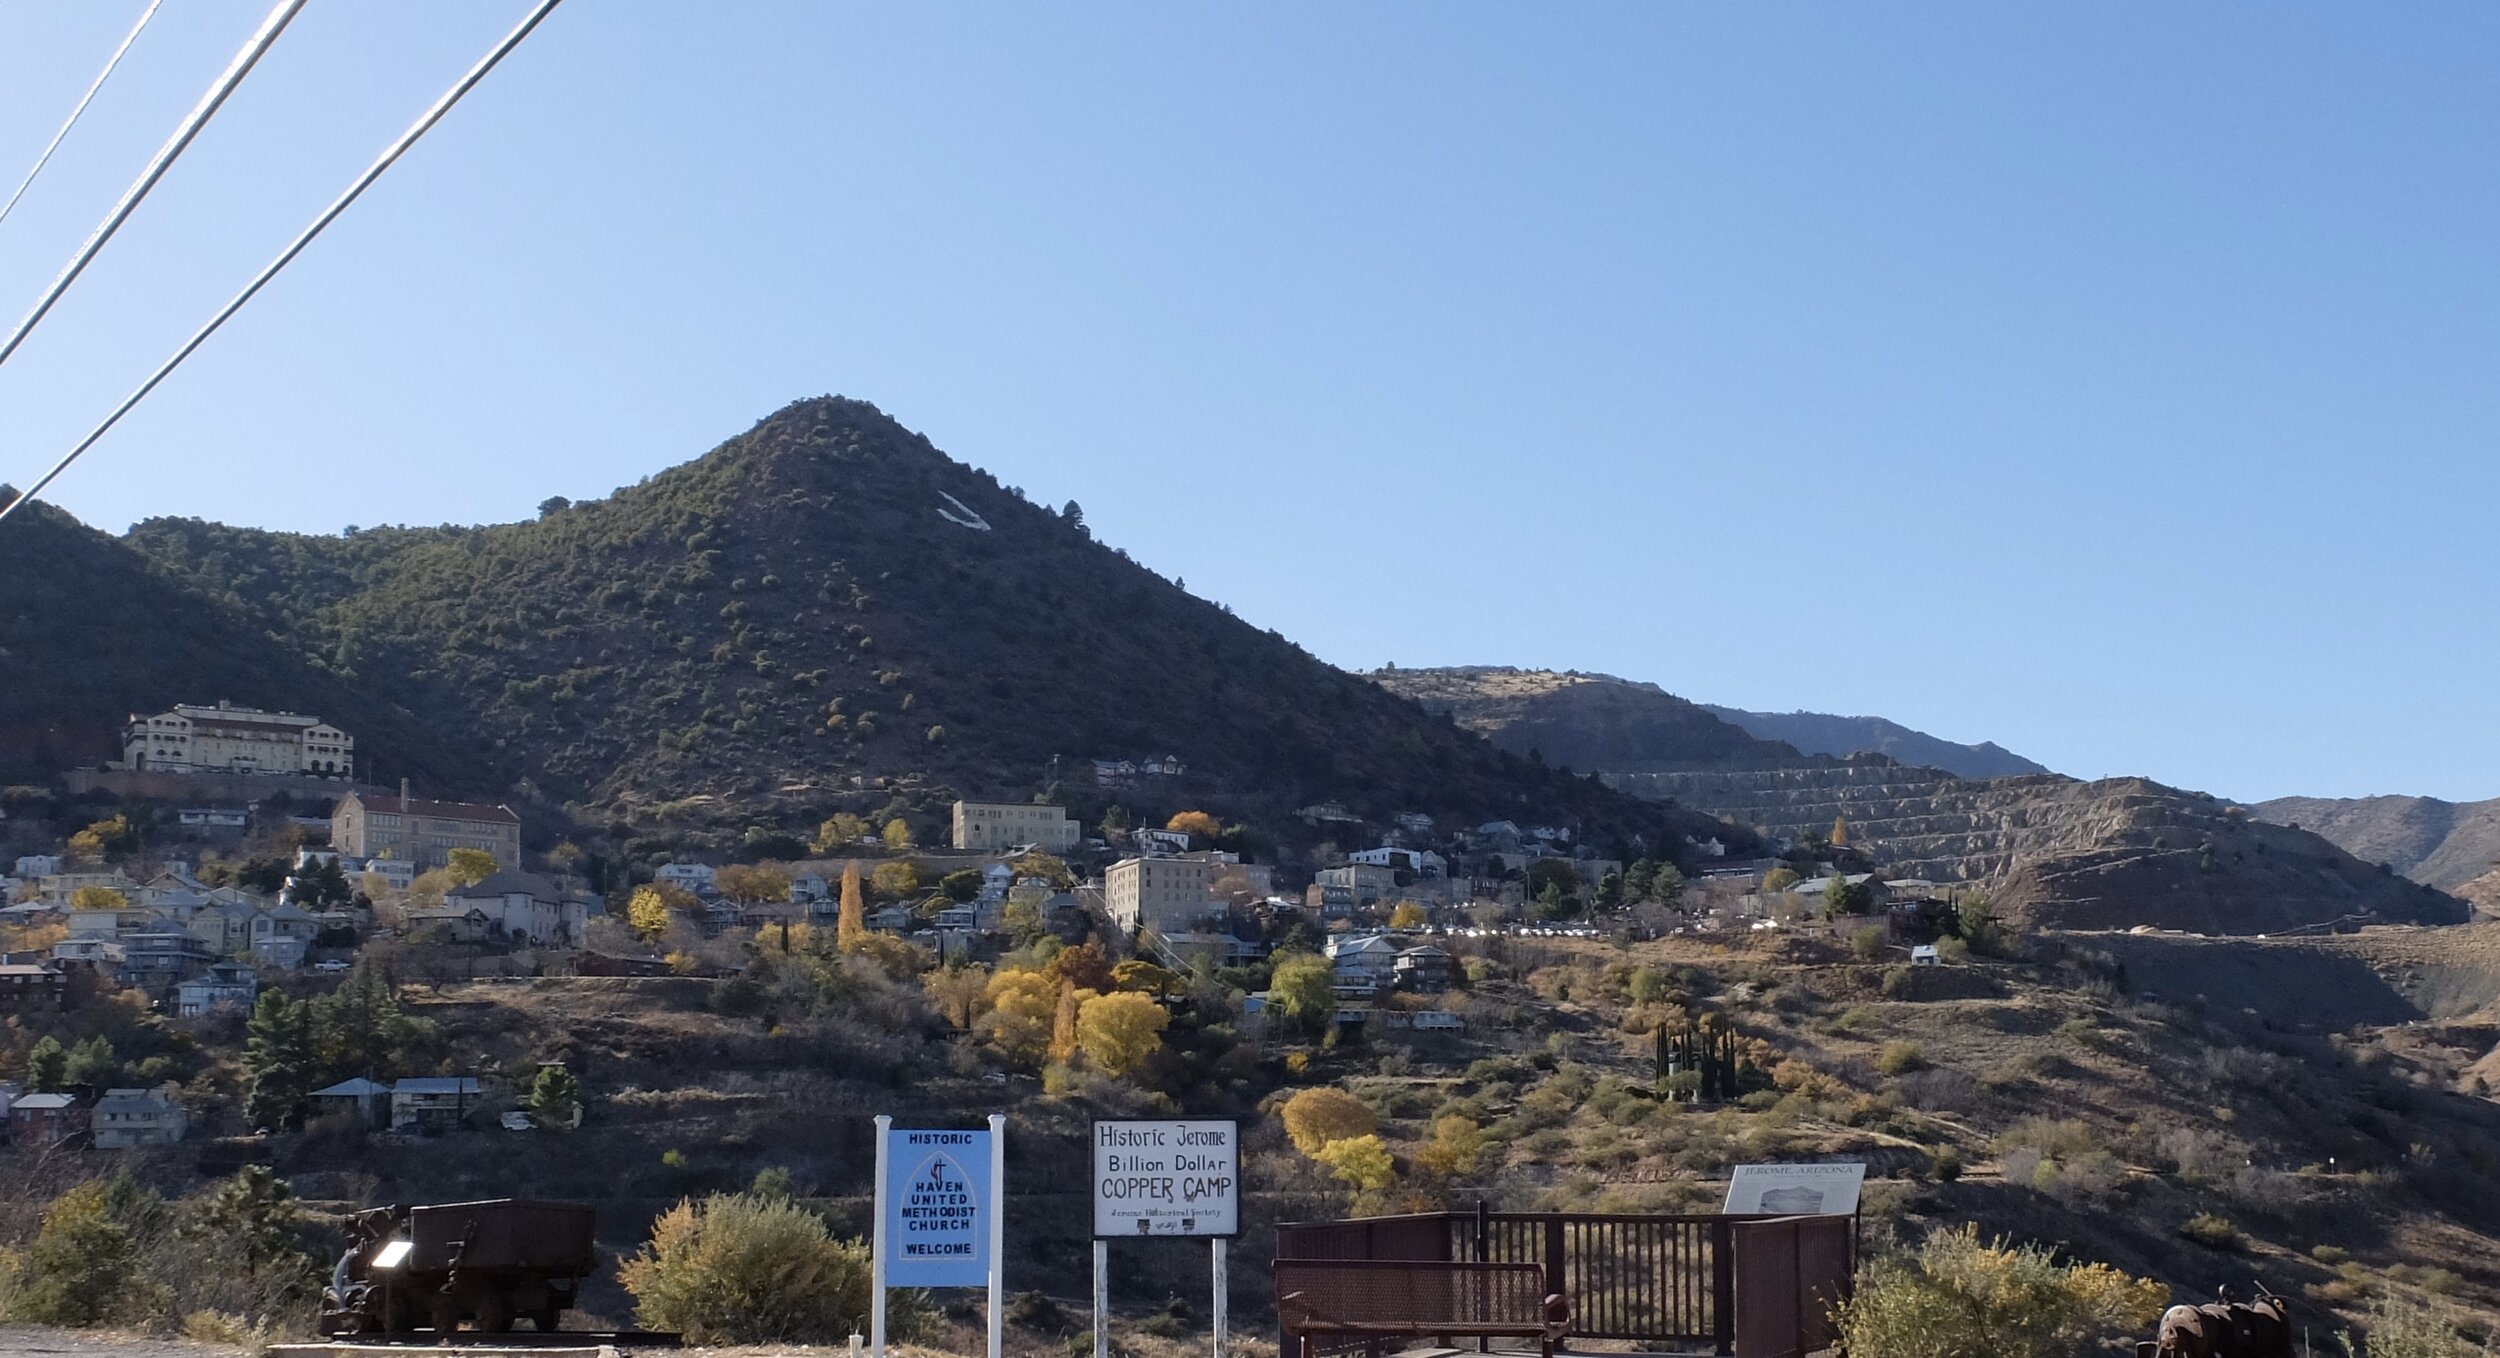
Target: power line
(328, 215)
(83, 100)
(250, 55)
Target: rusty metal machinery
(488, 1264)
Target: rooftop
(419, 806)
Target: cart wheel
(443, 1312)
(494, 1313)
(546, 1318)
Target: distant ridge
(2048, 849)
(2445, 844)
(1824, 733)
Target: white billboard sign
(1795, 1190)
(1167, 1178)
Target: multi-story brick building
(423, 832)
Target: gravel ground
(35, 1339)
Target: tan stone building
(423, 832)
(1168, 895)
(989, 826)
(231, 739)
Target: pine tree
(278, 1060)
(555, 1098)
(851, 926)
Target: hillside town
(194, 906)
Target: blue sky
(2113, 382)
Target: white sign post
(1165, 1178)
(940, 1217)
(1795, 1190)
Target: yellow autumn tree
(960, 993)
(851, 925)
(1323, 1114)
(1360, 1162)
(1840, 832)
(1121, 1031)
(1409, 915)
(468, 867)
(1018, 1023)
(98, 898)
(1457, 1144)
(647, 913)
(1197, 823)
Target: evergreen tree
(92, 1062)
(555, 1097)
(47, 1066)
(254, 1219)
(1667, 886)
(360, 1029)
(278, 1060)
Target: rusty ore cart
(433, 1267)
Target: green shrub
(1868, 943)
(75, 1270)
(1958, 1296)
(1946, 1166)
(742, 1269)
(1899, 1058)
(2330, 1255)
(2212, 1232)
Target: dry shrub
(1958, 1295)
(2197, 1153)
(2403, 1329)
(1939, 1091)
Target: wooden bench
(1372, 1301)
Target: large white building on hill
(231, 739)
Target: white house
(694, 877)
(1423, 863)
(223, 983)
(395, 873)
(1366, 959)
(138, 1117)
(527, 907)
(36, 865)
(434, 1103)
(365, 1100)
(809, 888)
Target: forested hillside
(828, 598)
(91, 631)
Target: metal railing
(1665, 1281)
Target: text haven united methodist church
(940, 1212)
